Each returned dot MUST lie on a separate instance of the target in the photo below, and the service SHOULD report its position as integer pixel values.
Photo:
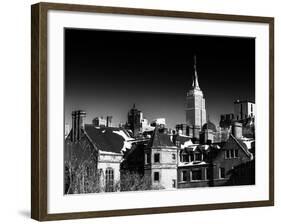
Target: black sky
(106, 72)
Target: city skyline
(106, 72)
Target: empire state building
(195, 107)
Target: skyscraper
(135, 117)
(195, 106)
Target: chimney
(237, 130)
(78, 117)
(108, 121)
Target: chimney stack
(108, 121)
(78, 117)
(237, 130)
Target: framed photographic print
(139, 111)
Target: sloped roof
(80, 151)
(192, 163)
(242, 145)
(197, 147)
(160, 139)
(182, 139)
(249, 143)
(108, 139)
(192, 148)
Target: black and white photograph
(146, 111)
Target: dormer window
(184, 157)
(236, 153)
(191, 157)
(231, 153)
(227, 154)
(198, 157)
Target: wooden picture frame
(39, 110)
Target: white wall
(15, 110)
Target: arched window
(109, 179)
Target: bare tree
(133, 181)
(80, 168)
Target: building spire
(195, 83)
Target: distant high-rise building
(195, 106)
(182, 129)
(145, 126)
(134, 122)
(226, 120)
(99, 121)
(244, 109)
(108, 121)
(158, 121)
(102, 122)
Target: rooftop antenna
(195, 83)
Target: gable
(109, 139)
(233, 143)
(81, 150)
(160, 139)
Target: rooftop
(109, 139)
(160, 139)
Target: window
(227, 154)
(191, 157)
(147, 158)
(196, 174)
(184, 157)
(184, 175)
(173, 156)
(156, 177)
(198, 157)
(221, 172)
(208, 173)
(236, 153)
(204, 157)
(174, 183)
(109, 180)
(232, 153)
(157, 157)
